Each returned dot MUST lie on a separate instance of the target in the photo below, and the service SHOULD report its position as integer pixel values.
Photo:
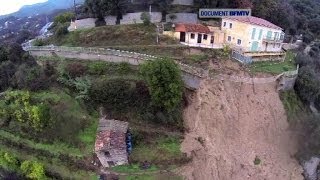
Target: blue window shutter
(269, 34)
(260, 34)
(253, 33)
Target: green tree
(64, 18)
(145, 17)
(164, 81)
(33, 170)
(61, 29)
(8, 161)
(101, 8)
(163, 6)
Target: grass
(151, 177)
(274, 67)
(133, 168)
(52, 166)
(163, 149)
(293, 105)
(134, 34)
(55, 148)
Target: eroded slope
(229, 125)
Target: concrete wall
(191, 81)
(82, 24)
(183, 18)
(286, 83)
(183, 2)
(133, 18)
(87, 56)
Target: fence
(240, 57)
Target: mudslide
(232, 124)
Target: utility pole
(75, 9)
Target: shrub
(83, 85)
(8, 161)
(163, 78)
(38, 42)
(124, 68)
(257, 160)
(33, 170)
(145, 17)
(76, 69)
(22, 110)
(64, 18)
(113, 93)
(61, 29)
(97, 68)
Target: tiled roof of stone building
(255, 21)
(191, 28)
(111, 135)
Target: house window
(279, 45)
(239, 42)
(212, 40)
(192, 36)
(230, 25)
(253, 33)
(229, 38)
(224, 24)
(107, 153)
(110, 163)
(205, 37)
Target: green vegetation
(145, 17)
(164, 81)
(257, 160)
(135, 34)
(133, 168)
(30, 169)
(49, 112)
(293, 105)
(163, 149)
(274, 67)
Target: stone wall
(133, 18)
(183, 2)
(183, 18)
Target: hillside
(43, 8)
(236, 131)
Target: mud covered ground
(230, 125)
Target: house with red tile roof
(110, 145)
(197, 35)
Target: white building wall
(261, 42)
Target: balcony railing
(272, 39)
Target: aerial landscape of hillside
(147, 90)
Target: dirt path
(230, 124)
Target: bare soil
(232, 124)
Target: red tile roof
(111, 135)
(192, 28)
(255, 21)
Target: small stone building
(110, 146)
